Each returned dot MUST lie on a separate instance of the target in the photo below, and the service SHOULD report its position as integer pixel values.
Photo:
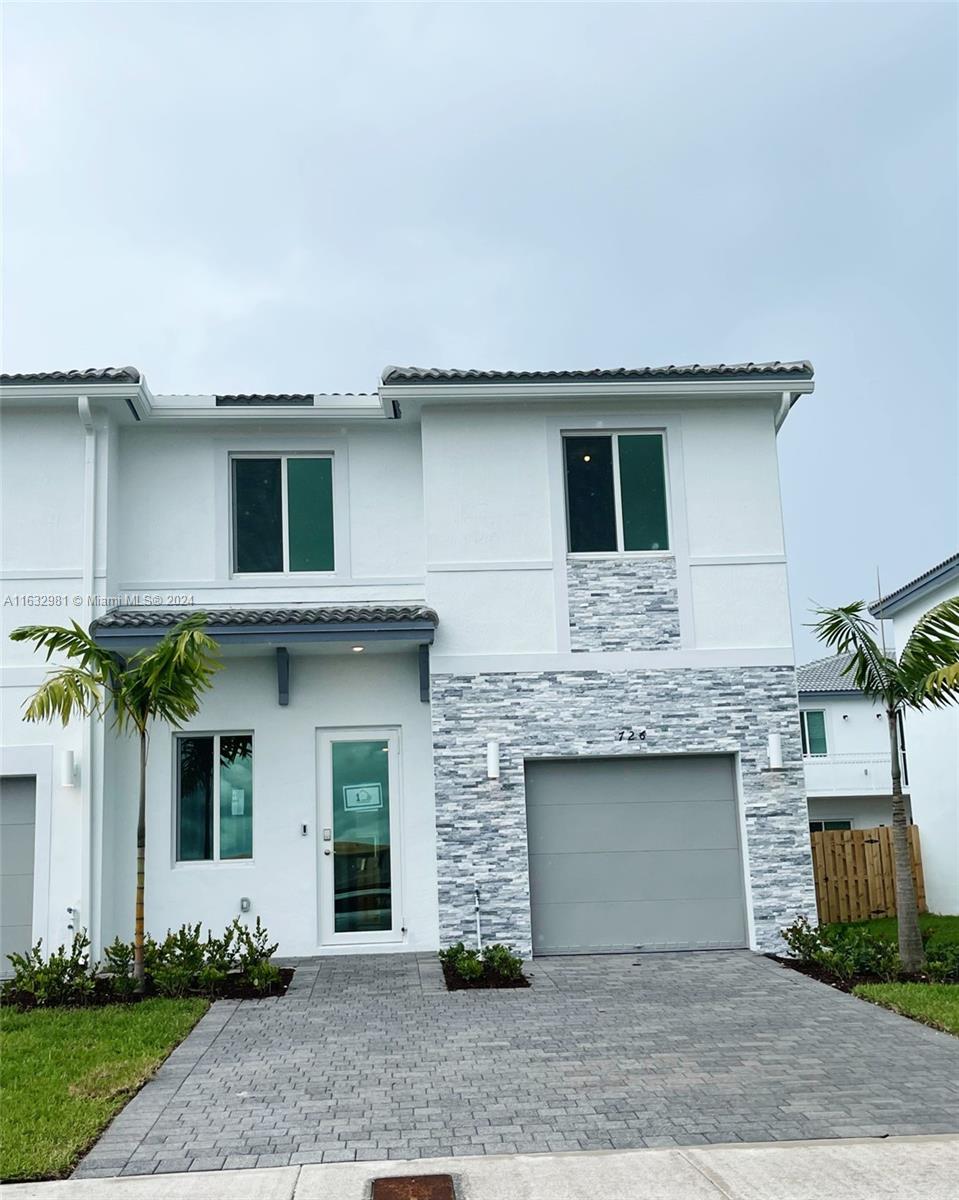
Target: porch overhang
(415, 624)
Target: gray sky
(246, 197)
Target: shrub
(803, 940)
(500, 960)
(844, 952)
(942, 963)
(463, 962)
(64, 978)
(119, 961)
(177, 961)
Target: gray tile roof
(825, 675)
(87, 375)
(887, 604)
(264, 400)
(801, 369)
(140, 618)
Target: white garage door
(634, 852)
(17, 829)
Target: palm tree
(159, 683)
(927, 673)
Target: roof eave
(888, 606)
(278, 633)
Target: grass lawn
(932, 1003)
(64, 1073)
(945, 929)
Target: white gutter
(785, 404)
(84, 618)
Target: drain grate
(414, 1187)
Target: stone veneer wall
(481, 823)
(622, 603)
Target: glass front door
(358, 861)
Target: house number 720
(628, 734)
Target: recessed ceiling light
(587, 457)
(358, 649)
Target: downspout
(84, 618)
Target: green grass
(64, 1073)
(932, 1003)
(945, 929)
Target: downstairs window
(214, 797)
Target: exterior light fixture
(492, 760)
(775, 751)
(68, 769)
(587, 458)
(358, 649)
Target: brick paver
(369, 1057)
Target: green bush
(64, 978)
(942, 963)
(844, 952)
(500, 960)
(119, 963)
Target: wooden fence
(855, 874)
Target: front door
(359, 894)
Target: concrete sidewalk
(910, 1168)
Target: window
(615, 492)
(214, 810)
(819, 826)
(812, 724)
(283, 513)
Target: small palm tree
(161, 683)
(927, 673)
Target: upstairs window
(812, 726)
(615, 492)
(214, 797)
(282, 513)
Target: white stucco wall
(932, 750)
(328, 691)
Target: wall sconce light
(492, 760)
(68, 769)
(775, 750)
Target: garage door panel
(17, 836)
(636, 875)
(651, 924)
(16, 849)
(633, 778)
(653, 825)
(634, 851)
(18, 899)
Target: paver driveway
(370, 1058)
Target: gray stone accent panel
(622, 603)
(481, 823)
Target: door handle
(327, 851)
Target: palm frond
(848, 631)
(167, 680)
(74, 643)
(929, 662)
(67, 693)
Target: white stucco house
(502, 650)
(932, 742)
(845, 745)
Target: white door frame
(325, 855)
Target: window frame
(283, 456)
(804, 733)
(216, 861)
(614, 436)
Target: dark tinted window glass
(642, 482)
(236, 796)
(591, 509)
(257, 514)
(309, 490)
(194, 798)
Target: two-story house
(505, 655)
(845, 744)
(932, 741)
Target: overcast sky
(247, 197)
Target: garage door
(17, 830)
(629, 852)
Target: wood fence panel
(855, 873)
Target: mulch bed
(102, 995)
(815, 971)
(456, 983)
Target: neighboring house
(932, 743)
(502, 650)
(845, 742)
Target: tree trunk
(907, 910)
(138, 972)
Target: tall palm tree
(159, 683)
(927, 673)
